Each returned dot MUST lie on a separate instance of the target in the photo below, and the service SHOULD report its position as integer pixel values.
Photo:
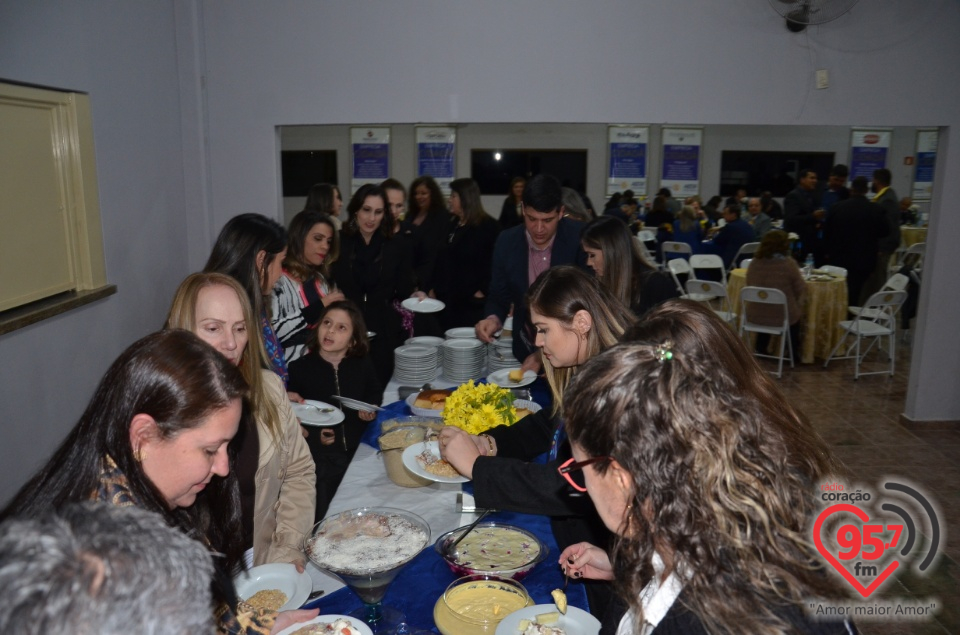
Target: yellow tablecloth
(824, 308)
(911, 235)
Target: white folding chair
(708, 291)
(645, 252)
(765, 295)
(884, 303)
(673, 248)
(896, 282)
(747, 249)
(709, 262)
(912, 255)
(745, 263)
(680, 267)
(833, 270)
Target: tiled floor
(860, 419)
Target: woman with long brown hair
(305, 286)
(462, 277)
(708, 476)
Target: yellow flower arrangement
(477, 408)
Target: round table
(911, 235)
(825, 306)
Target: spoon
(449, 548)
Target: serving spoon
(449, 548)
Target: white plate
(575, 622)
(411, 463)
(425, 340)
(427, 305)
(310, 416)
(461, 332)
(356, 404)
(280, 576)
(328, 619)
(502, 378)
(422, 412)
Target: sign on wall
(371, 156)
(680, 172)
(868, 151)
(628, 159)
(926, 154)
(436, 150)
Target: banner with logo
(628, 159)
(371, 156)
(926, 158)
(436, 150)
(680, 171)
(868, 151)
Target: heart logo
(818, 541)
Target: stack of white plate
(463, 359)
(428, 340)
(500, 355)
(415, 364)
(461, 333)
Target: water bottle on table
(808, 266)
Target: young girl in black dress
(338, 364)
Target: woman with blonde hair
(576, 318)
(614, 255)
(274, 466)
(708, 476)
(305, 286)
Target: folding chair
(885, 304)
(745, 263)
(672, 248)
(709, 262)
(645, 252)
(680, 267)
(912, 255)
(747, 249)
(707, 291)
(896, 282)
(765, 295)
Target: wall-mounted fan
(800, 13)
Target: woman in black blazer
(462, 275)
(375, 271)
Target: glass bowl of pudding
(475, 605)
(492, 548)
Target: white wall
(187, 95)
(124, 55)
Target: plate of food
(317, 413)
(329, 625)
(278, 586)
(428, 403)
(356, 404)
(426, 305)
(512, 378)
(545, 619)
(423, 459)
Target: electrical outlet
(822, 79)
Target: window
(301, 169)
(493, 169)
(50, 238)
(777, 172)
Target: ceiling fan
(800, 13)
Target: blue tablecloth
(421, 583)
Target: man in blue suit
(732, 236)
(520, 255)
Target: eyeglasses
(575, 466)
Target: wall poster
(371, 156)
(628, 159)
(680, 171)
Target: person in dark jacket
(803, 216)
(576, 318)
(851, 236)
(732, 236)
(337, 365)
(510, 211)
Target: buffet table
(419, 585)
(825, 306)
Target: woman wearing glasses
(695, 459)
(576, 318)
